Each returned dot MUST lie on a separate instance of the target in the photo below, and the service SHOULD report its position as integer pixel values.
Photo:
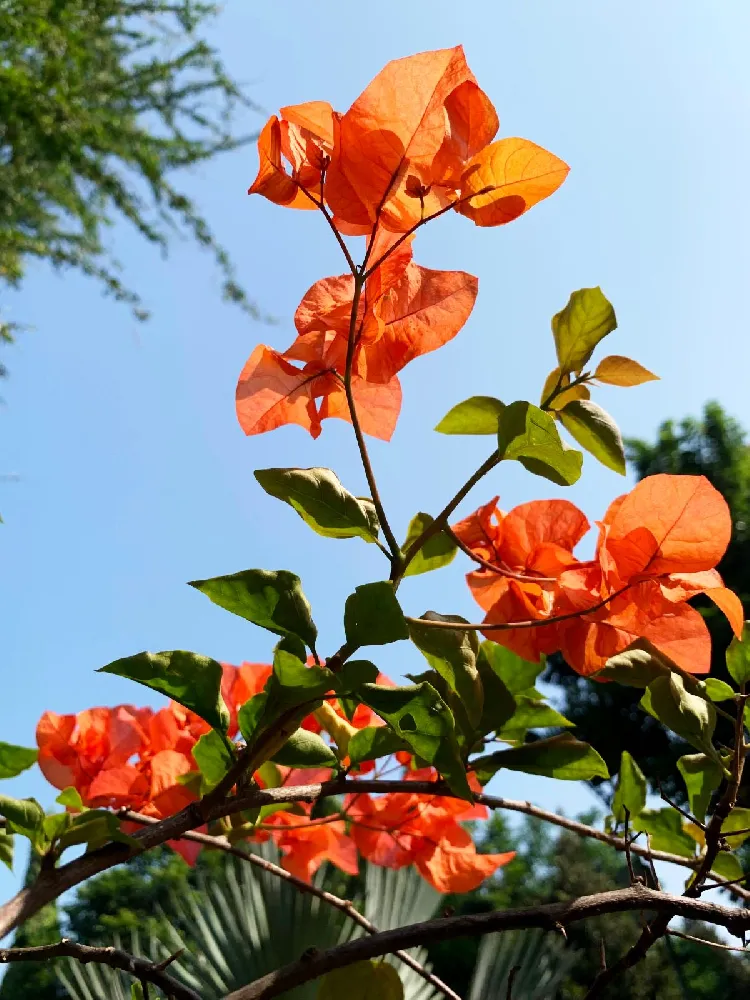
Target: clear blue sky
(134, 476)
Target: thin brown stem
(320, 204)
(140, 969)
(501, 570)
(709, 944)
(683, 812)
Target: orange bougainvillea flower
(657, 548)
(303, 137)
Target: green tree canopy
(101, 103)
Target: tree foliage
(102, 102)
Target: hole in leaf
(407, 723)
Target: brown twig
(139, 968)
(548, 917)
(501, 570)
(628, 847)
(511, 979)
(343, 905)
(683, 812)
(709, 944)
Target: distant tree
(101, 103)
(716, 447)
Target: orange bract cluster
(415, 143)
(657, 547)
(138, 758)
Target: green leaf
(518, 676)
(353, 674)
(586, 319)
(95, 828)
(530, 436)
(6, 848)
(373, 616)
(664, 828)
(718, 690)
(686, 714)
(14, 760)
(136, 992)
(499, 704)
(55, 825)
(362, 981)
(561, 756)
(373, 742)
(631, 789)
(24, 817)
(71, 798)
(423, 720)
(320, 500)
(453, 654)
(531, 713)
(738, 819)
(594, 429)
(214, 758)
(272, 599)
(728, 866)
(477, 415)
(436, 552)
(305, 749)
(634, 668)
(188, 678)
(738, 657)
(701, 775)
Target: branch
(550, 917)
(139, 968)
(344, 905)
(709, 944)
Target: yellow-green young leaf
(136, 992)
(562, 394)
(519, 676)
(595, 430)
(372, 742)
(688, 715)
(531, 713)
(214, 758)
(436, 552)
(14, 760)
(454, 656)
(71, 798)
(702, 776)
(272, 599)
(24, 817)
(631, 789)
(664, 827)
(477, 415)
(188, 678)
(305, 749)
(530, 436)
(373, 616)
(561, 756)
(6, 848)
(616, 370)
(362, 981)
(422, 719)
(586, 319)
(320, 500)
(738, 656)
(718, 690)
(738, 819)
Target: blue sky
(133, 475)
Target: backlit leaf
(436, 552)
(595, 430)
(477, 415)
(188, 678)
(6, 848)
(529, 435)
(518, 675)
(422, 719)
(664, 827)
(454, 656)
(616, 370)
(718, 690)
(688, 715)
(305, 749)
(272, 599)
(561, 756)
(586, 319)
(320, 500)
(214, 759)
(702, 776)
(738, 819)
(14, 759)
(24, 817)
(373, 742)
(373, 616)
(738, 657)
(631, 789)
(362, 981)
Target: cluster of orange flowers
(138, 758)
(417, 142)
(657, 547)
